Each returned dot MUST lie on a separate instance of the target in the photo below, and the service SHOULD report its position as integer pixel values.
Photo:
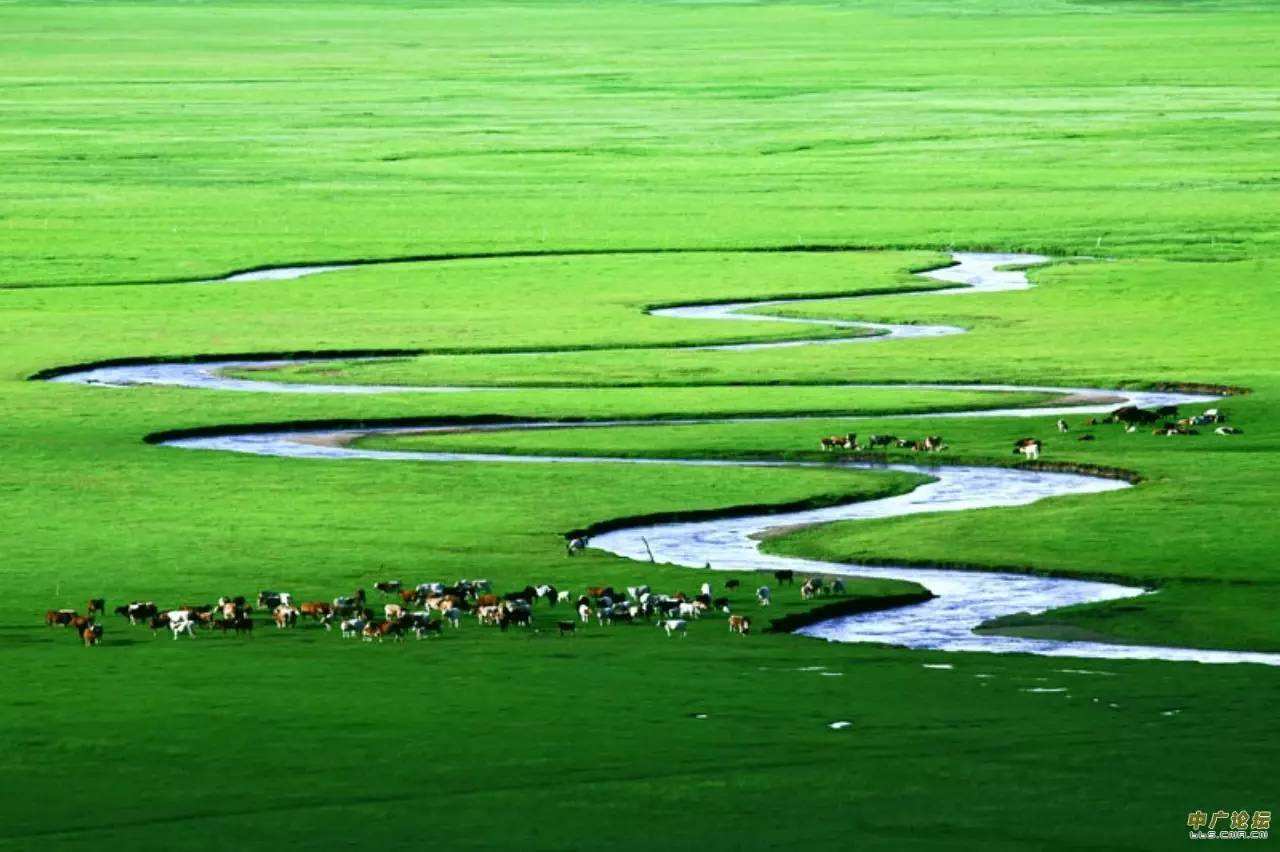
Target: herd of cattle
(424, 610)
(1166, 420)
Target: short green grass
(153, 141)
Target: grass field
(158, 141)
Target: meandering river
(964, 599)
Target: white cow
(675, 625)
(181, 625)
(584, 612)
(352, 627)
(689, 610)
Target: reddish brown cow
(315, 609)
(60, 617)
(91, 634)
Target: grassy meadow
(156, 142)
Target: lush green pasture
(151, 140)
(148, 141)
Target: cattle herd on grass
(426, 609)
(429, 609)
(1164, 420)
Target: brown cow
(739, 624)
(60, 617)
(91, 634)
(315, 609)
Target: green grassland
(154, 140)
(157, 141)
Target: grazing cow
(1062, 425)
(181, 625)
(739, 624)
(567, 628)
(575, 545)
(1029, 447)
(528, 594)
(285, 616)
(812, 588)
(763, 595)
(352, 627)
(667, 605)
(837, 586)
(138, 611)
(784, 576)
(425, 627)
(584, 612)
(731, 585)
(933, 444)
(1132, 415)
(387, 587)
(518, 616)
(1227, 430)
(271, 600)
(839, 442)
(91, 634)
(675, 625)
(96, 606)
(721, 604)
(60, 617)
(882, 440)
(347, 605)
(317, 611)
(563, 595)
(239, 625)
